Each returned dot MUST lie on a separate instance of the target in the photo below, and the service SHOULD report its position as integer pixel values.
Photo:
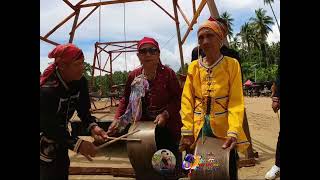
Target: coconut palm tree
(269, 2)
(248, 35)
(262, 24)
(227, 17)
(235, 43)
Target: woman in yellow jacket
(212, 100)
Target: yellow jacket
(227, 104)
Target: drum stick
(116, 139)
(125, 139)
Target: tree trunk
(275, 17)
(248, 44)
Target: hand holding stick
(116, 139)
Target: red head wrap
(66, 54)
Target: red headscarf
(66, 53)
(148, 40)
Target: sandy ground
(264, 128)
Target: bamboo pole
(178, 34)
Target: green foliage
(104, 83)
(254, 50)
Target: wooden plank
(183, 15)
(60, 24)
(69, 4)
(86, 16)
(194, 6)
(123, 172)
(213, 8)
(49, 41)
(73, 29)
(194, 19)
(178, 34)
(80, 2)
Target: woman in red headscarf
(63, 90)
(160, 101)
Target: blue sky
(142, 19)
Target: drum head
(141, 152)
(213, 162)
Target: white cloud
(142, 19)
(274, 36)
(232, 5)
(44, 62)
(236, 4)
(172, 58)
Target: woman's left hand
(161, 119)
(230, 142)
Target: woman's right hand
(113, 128)
(275, 104)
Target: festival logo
(202, 162)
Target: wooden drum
(140, 152)
(215, 163)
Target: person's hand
(275, 104)
(87, 149)
(186, 142)
(113, 128)
(230, 142)
(99, 135)
(161, 119)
